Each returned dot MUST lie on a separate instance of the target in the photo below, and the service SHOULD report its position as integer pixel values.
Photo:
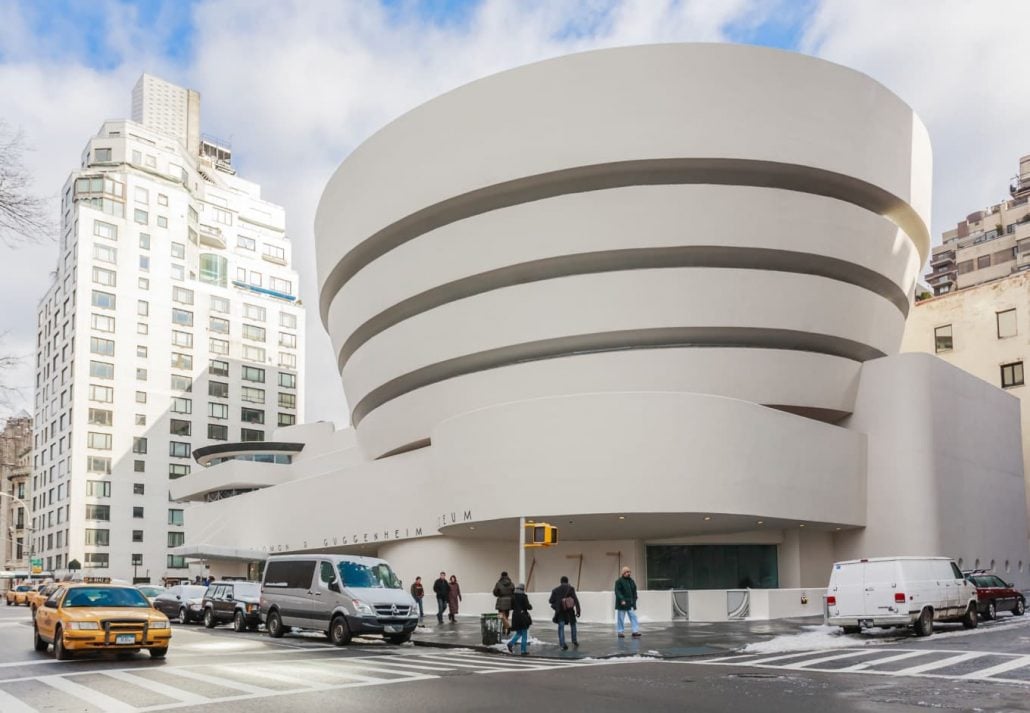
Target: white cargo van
(341, 595)
(899, 591)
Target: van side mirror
(335, 586)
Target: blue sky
(297, 84)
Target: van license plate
(391, 629)
(125, 639)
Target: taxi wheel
(60, 653)
(37, 641)
(158, 653)
(239, 623)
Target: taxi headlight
(159, 624)
(83, 625)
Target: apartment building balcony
(211, 236)
(942, 259)
(941, 279)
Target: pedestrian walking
(503, 590)
(417, 593)
(442, 591)
(453, 597)
(520, 618)
(566, 610)
(626, 603)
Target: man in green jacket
(626, 603)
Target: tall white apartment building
(172, 323)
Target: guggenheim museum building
(653, 296)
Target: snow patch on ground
(817, 638)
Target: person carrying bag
(520, 619)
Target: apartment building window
(214, 269)
(252, 395)
(142, 195)
(253, 333)
(222, 216)
(139, 466)
(218, 389)
(143, 283)
(181, 405)
(218, 410)
(102, 323)
(140, 216)
(178, 427)
(162, 221)
(287, 380)
(182, 383)
(141, 351)
(182, 361)
(141, 374)
(218, 325)
(179, 251)
(95, 560)
(280, 285)
(137, 560)
(139, 445)
(176, 562)
(105, 230)
(179, 449)
(218, 346)
(105, 277)
(287, 419)
(220, 305)
(175, 517)
(1012, 374)
(103, 347)
(250, 434)
(138, 488)
(98, 488)
(99, 538)
(177, 470)
(98, 441)
(287, 320)
(252, 415)
(287, 401)
(1006, 323)
(287, 360)
(105, 253)
(983, 261)
(102, 155)
(98, 512)
(100, 417)
(253, 373)
(965, 266)
(176, 539)
(101, 370)
(254, 312)
(103, 300)
(245, 243)
(102, 394)
(144, 241)
(141, 397)
(182, 339)
(287, 340)
(142, 308)
(137, 512)
(251, 353)
(217, 432)
(182, 295)
(274, 252)
(137, 535)
(142, 328)
(98, 464)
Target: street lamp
(32, 532)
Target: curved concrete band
(662, 201)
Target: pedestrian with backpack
(566, 610)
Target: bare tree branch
(24, 216)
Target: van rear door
(881, 582)
(846, 584)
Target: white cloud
(296, 85)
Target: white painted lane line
(172, 692)
(196, 675)
(823, 659)
(939, 663)
(10, 704)
(1017, 662)
(87, 694)
(900, 657)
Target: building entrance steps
(665, 640)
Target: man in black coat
(566, 610)
(442, 590)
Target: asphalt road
(220, 670)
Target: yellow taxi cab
(39, 595)
(94, 615)
(19, 595)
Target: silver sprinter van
(341, 595)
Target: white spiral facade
(698, 219)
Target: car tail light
(831, 601)
(899, 597)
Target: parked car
(231, 601)
(340, 595)
(40, 595)
(899, 591)
(183, 602)
(99, 617)
(150, 591)
(995, 594)
(18, 595)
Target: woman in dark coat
(503, 590)
(453, 597)
(520, 618)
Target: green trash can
(490, 626)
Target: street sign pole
(522, 551)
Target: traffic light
(541, 534)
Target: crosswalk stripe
(780, 657)
(1018, 662)
(823, 659)
(264, 673)
(246, 688)
(473, 656)
(156, 687)
(420, 666)
(10, 704)
(890, 659)
(96, 698)
(940, 663)
(482, 665)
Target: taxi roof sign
(96, 580)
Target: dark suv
(236, 602)
(994, 595)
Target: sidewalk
(659, 640)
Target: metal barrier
(680, 604)
(738, 603)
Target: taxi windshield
(377, 576)
(105, 597)
(23, 588)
